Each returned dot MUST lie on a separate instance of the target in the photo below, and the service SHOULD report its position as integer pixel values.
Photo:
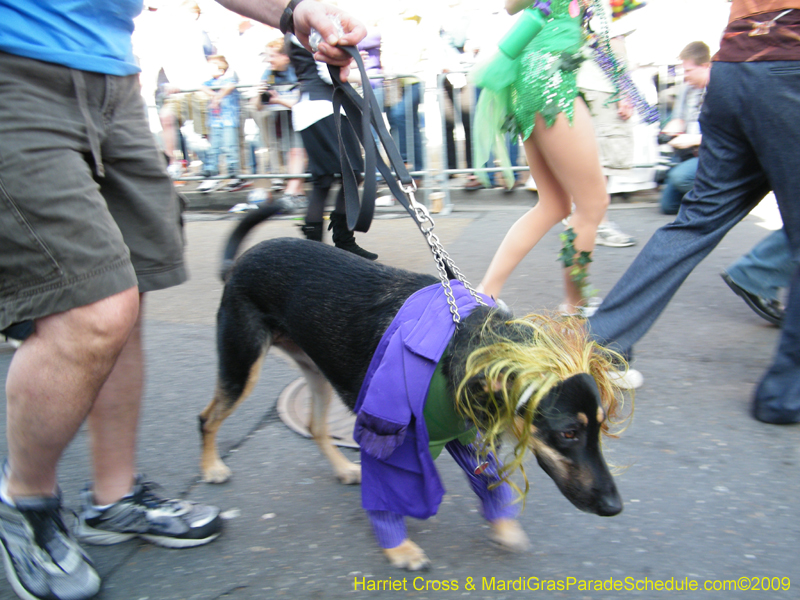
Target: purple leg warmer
(497, 502)
(389, 528)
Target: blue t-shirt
(89, 35)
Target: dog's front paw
(349, 474)
(218, 472)
(407, 556)
(509, 534)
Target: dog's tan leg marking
(510, 535)
(219, 409)
(321, 394)
(407, 556)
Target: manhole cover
(294, 409)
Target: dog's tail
(242, 229)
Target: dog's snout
(610, 504)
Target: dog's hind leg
(241, 352)
(496, 500)
(321, 395)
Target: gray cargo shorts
(86, 207)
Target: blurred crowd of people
(223, 90)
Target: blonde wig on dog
(527, 357)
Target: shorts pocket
(25, 260)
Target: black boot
(343, 238)
(312, 231)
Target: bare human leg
(572, 155)
(297, 164)
(53, 381)
(114, 419)
(554, 204)
(564, 162)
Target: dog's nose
(609, 505)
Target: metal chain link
(440, 256)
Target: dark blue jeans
(767, 268)
(403, 114)
(751, 144)
(680, 180)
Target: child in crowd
(278, 88)
(223, 121)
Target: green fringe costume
(542, 79)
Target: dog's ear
(488, 385)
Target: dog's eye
(570, 434)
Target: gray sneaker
(608, 234)
(42, 560)
(169, 523)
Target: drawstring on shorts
(91, 130)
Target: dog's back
(330, 304)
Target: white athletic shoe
(608, 234)
(630, 380)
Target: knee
(104, 327)
(167, 119)
(590, 213)
(601, 206)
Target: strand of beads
(608, 63)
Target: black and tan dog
(541, 379)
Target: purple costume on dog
(398, 477)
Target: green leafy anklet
(579, 261)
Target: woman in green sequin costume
(543, 106)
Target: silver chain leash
(440, 256)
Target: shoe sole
(99, 537)
(11, 575)
(599, 242)
(16, 584)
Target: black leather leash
(366, 112)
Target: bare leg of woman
(554, 204)
(572, 156)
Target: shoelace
(49, 531)
(146, 496)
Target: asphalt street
(711, 495)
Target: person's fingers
(332, 55)
(354, 30)
(344, 64)
(316, 15)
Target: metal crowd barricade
(456, 107)
(276, 146)
(400, 88)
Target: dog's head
(544, 380)
(565, 438)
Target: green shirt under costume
(442, 420)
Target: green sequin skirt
(547, 85)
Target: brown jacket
(746, 8)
